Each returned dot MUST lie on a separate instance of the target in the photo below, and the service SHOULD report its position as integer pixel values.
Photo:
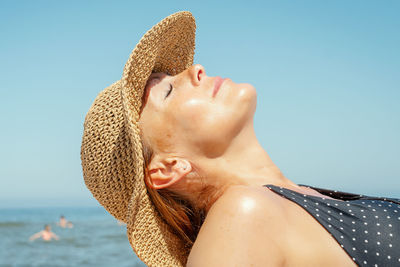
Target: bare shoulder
(240, 230)
(244, 204)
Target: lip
(217, 84)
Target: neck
(245, 162)
(248, 163)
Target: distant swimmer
(64, 223)
(46, 234)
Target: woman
(173, 153)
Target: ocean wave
(115, 236)
(11, 224)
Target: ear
(164, 172)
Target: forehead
(154, 79)
(153, 123)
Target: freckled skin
(191, 131)
(190, 116)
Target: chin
(248, 95)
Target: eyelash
(169, 91)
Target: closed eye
(169, 91)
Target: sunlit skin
(202, 137)
(46, 234)
(64, 223)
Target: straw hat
(111, 152)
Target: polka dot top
(367, 228)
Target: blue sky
(327, 75)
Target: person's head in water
(47, 228)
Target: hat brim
(167, 47)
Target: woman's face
(194, 113)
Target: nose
(196, 73)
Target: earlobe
(164, 172)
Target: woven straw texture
(111, 152)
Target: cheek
(208, 126)
(202, 115)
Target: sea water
(96, 238)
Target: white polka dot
(365, 223)
(329, 218)
(317, 215)
(390, 234)
(349, 210)
(385, 210)
(366, 241)
(389, 257)
(390, 225)
(376, 216)
(353, 222)
(388, 217)
(365, 262)
(379, 233)
(317, 203)
(354, 239)
(377, 254)
(353, 230)
(348, 205)
(341, 228)
(390, 245)
(362, 210)
(378, 243)
(316, 209)
(365, 251)
(305, 200)
(329, 211)
(354, 259)
(373, 209)
(342, 214)
(366, 231)
(378, 224)
(329, 225)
